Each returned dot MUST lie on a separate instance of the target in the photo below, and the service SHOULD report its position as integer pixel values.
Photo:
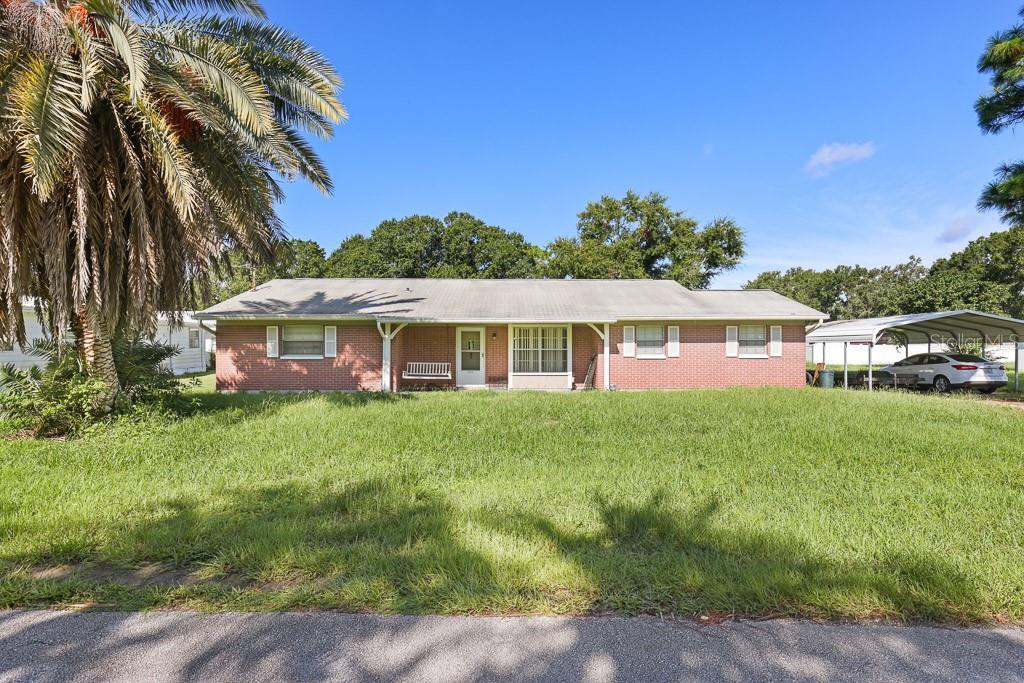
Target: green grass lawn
(799, 502)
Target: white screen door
(469, 356)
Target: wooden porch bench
(427, 371)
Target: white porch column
(568, 342)
(508, 382)
(385, 378)
(607, 360)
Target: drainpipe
(206, 354)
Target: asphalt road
(44, 646)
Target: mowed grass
(798, 502)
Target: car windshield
(966, 358)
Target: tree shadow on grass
(376, 545)
(648, 557)
(394, 546)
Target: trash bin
(827, 379)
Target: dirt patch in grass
(150, 575)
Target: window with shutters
(753, 343)
(650, 341)
(540, 350)
(302, 341)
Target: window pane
(650, 340)
(303, 333)
(752, 340)
(540, 349)
(554, 361)
(303, 340)
(470, 360)
(470, 341)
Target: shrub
(147, 382)
(52, 401)
(59, 398)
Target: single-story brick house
(395, 334)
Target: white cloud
(827, 157)
(959, 227)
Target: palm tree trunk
(98, 353)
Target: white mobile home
(195, 344)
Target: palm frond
(49, 125)
(224, 70)
(125, 37)
(251, 8)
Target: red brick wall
(242, 363)
(497, 355)
(702, 361)
(422, 344)
(436, 344)
(585, 343)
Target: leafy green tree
(878, 292)
(138, 140)
(822, 290)
(950, 290)
(641, 237)
(1001, 109)
(847, 291)
(460, 246)
(470, 248)
(997, 258)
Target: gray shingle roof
(435, 300)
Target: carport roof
(921, 327)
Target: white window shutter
(732, 341)
(272, 341)
(330, 341)
(673, 341)
(776, 340)
(629, 341)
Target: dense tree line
(633, 237)
(987, 275)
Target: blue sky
(831, 132)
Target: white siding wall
(187, 361)
(33, 330)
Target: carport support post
(846, 365)
(1016, 366)
(871, 373)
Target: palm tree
(139, 141)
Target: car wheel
(942, 384)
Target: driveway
(43, 646)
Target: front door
(469, 356)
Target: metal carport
(938, 327)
